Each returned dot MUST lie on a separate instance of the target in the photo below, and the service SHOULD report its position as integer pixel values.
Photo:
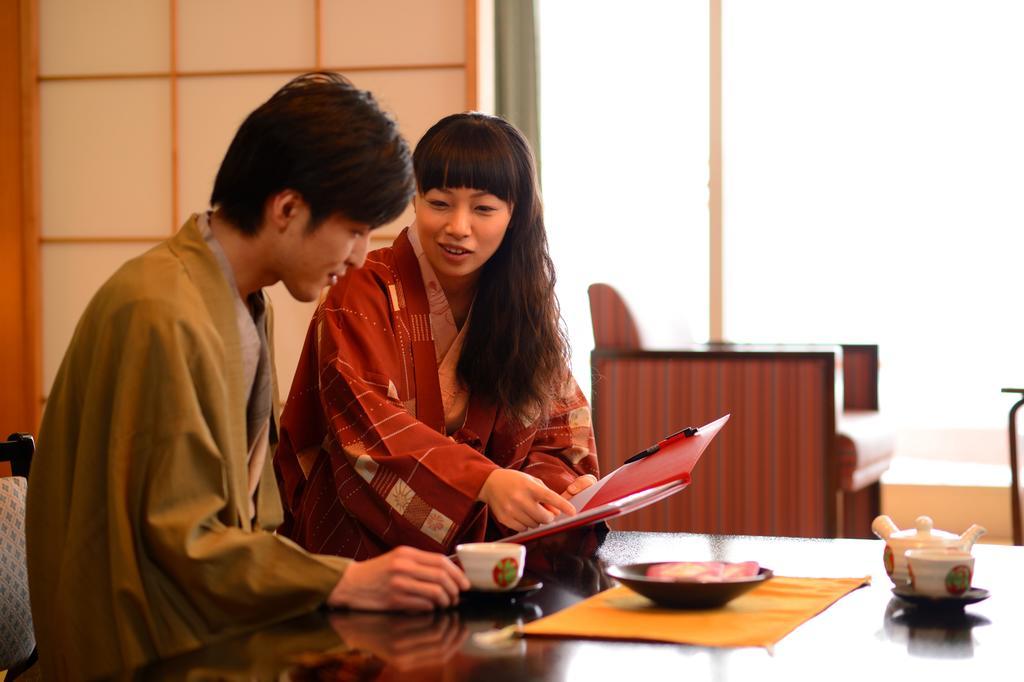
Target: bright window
(873, 175)
(624, 146)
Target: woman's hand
(404, 579)
(579, 485)
(520, 501)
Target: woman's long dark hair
(515, 353)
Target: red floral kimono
(366, 461)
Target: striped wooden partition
(859, 508)
(802, 455)
(860, 377)
(772, 469)
(862, 460)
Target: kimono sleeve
(185, 484)
(563, 448)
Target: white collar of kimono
(448, 341)
(442, 321)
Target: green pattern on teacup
(958, 580)
(888, 560)
(505, 572)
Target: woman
(433, 402)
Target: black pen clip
(682, 433)
(685, 433)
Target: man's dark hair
(325, 139)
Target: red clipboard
(636, 484)
(600, 513)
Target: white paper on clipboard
(579, 500)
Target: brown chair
(801, 456)
(1016, 480)
(17, 639)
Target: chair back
(17, 638)
(18, 450)
(614, 325)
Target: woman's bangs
(476, 165)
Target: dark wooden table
(869, 635)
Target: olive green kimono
(139, 535)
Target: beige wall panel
(382, 32)
(104, 36)
(217, 35)
(210, 110)
(418, 99)
(71, 275)
(105, 157)
(291, 320)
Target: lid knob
(923, 525)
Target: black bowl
(684, 594)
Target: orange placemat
(760, 617)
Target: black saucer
(525, 587)
(971, 596)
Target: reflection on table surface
(867, 634)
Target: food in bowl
(685, 593)
(703, 571)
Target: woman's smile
(455, 253)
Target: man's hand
(520, 501)
(413, 642)
(404, 579)
(579, 485)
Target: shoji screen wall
(138, 100)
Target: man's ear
(281, 208)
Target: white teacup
(940, 572)
(492, 566)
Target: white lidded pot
(897, 542)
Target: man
(152, 501)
